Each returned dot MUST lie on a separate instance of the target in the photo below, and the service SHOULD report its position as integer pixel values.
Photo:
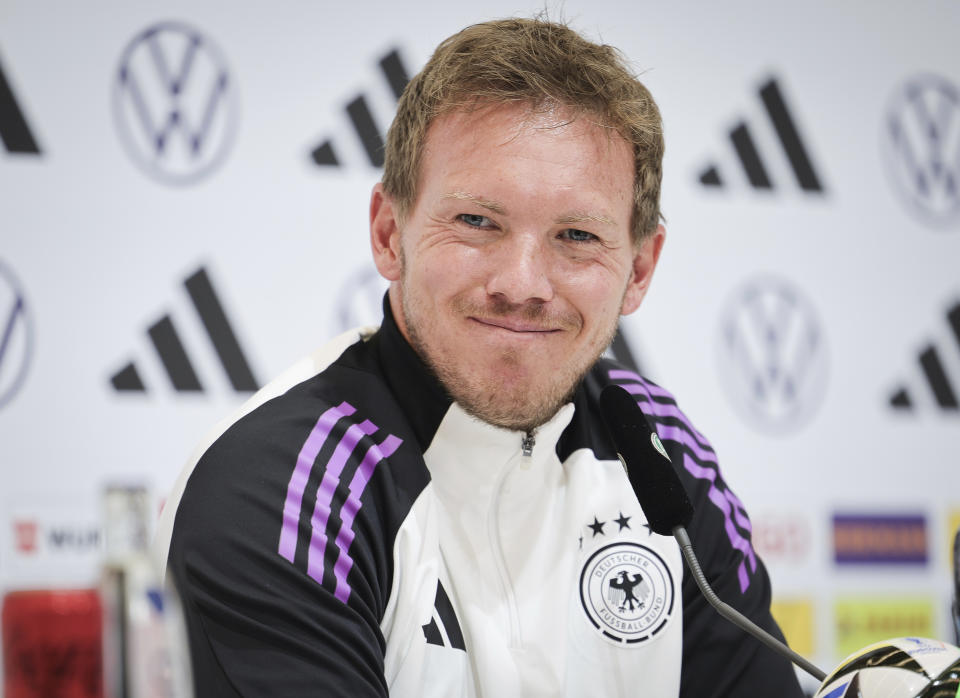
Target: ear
(384, 234)
(644, 263)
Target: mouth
(516, 326)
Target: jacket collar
(414, 386)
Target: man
(436, 509)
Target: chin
(518, 401)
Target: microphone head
(655, 482)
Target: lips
(523, 319)
(514, 325)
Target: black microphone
(666, 505)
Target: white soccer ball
(907, 667)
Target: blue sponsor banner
(880, 539)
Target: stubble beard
(509, 400)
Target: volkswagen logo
(773, 356)
(174, 103)
(16, 336)
(921, 145)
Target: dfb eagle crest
(628, 593)
(623, 588)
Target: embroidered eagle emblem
(621, 591)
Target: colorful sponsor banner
(795, 618)
(880, 539)
(860, 622)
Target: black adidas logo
(14, 131)
(443, 630)
(165, 339)
(934, 372)
(362, 119)
(745, 148)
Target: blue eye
(579, 235)
(474, 220)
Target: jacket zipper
(527, 443)
(516, 639)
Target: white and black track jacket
(355, 533)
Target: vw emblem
(174, 103)
(773, 355)
(16, 336)
(921, 144)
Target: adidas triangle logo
(173, 356)
(14, 130)
(939, 375)
(361, 117)
(756, 167)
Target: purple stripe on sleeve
(660, 409)
(729, 510)
(739, 511)
(639, 386)
(625, 376)
(682, 436)
(351, 507)
(328, 485)
(660, 392)
(732, 509)
(301, 473)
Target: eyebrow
(586, 218)
(577, 217)
(483, 203)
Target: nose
(520, 269)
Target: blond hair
(532, 61)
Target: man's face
(513, 265)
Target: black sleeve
(720, 659)
(259, 624)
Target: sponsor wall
(184, 197)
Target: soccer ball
(907, 667)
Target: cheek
(597, 295)
(441, 274)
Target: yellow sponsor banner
(795, 618)
(860, 622)
(953, 522)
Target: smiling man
(517, 258)
(435, 508)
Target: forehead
(496, 125)
(557, 145)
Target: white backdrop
(785, 319)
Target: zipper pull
(526, 445)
